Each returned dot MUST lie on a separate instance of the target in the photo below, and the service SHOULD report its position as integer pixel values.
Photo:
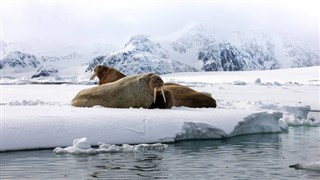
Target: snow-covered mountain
(191, 36)
(239, 51)
(184, 44)
(45, 72)
(18, 61)
(19, 64)
(192, 48)
(141, 55)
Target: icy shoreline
(40, 116)
(49, 126)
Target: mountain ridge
(191, 49)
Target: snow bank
(42, 127)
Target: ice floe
(43, 127)
(37, 116)
(82, 146)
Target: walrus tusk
(92, 77)
(154, 94)
(164, 98)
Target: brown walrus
(131, 91)
(183, 95)
(106, 74)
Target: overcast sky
(114, 22)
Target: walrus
(163, 103)
(106, 74)
(307, 166)
(131, 91)
(183, 95)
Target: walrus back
(131, 91)
(185, 96)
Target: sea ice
(83, 146)
(37, 116)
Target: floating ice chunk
(80, 146)
(301, 112)
(308, 166)
(107, 148)
(292, 120)
(83, 146)
(151, 147)
(82, 143)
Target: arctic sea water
(260, 156)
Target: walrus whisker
(154, 94)
(93, 76)
(164, 98)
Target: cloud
(87, 22)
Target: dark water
(265, 156)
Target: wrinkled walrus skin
(183, 95)
(131, 91)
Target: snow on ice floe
(307, 166)
(293, 76)
(83, 146)
(39, 127)
(41, 124)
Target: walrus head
(296, 166)
(160, 103)
(99, 71)
(156, 84)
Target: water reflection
(130, 166)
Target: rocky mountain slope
(253, 50)
(190, 49)
(141, 55)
